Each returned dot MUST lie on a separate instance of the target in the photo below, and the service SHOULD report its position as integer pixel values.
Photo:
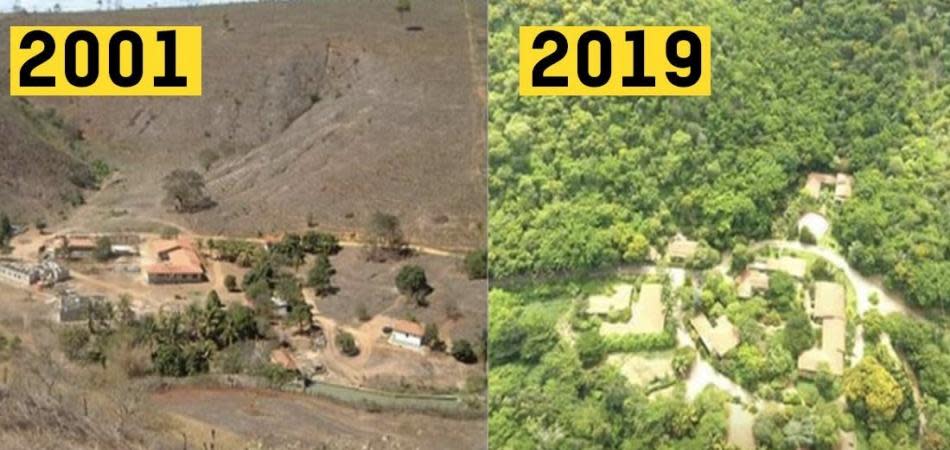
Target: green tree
(103, 250)
(185, 191)
(590, 348)
(320, 276)
(798, 334)
(872, 390)
(411, 281)
(230, 283)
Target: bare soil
(331, 109)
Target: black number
(692, 61)
(92, 71)
(538, 78)
(115, 55)
(639, 77)
(583, 58)
(27, 79)
(170, 78)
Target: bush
(805, 236)
(347, 344)
(632, 343)
(476, 264)
(590, 348)
(463, 352)
(230, 283)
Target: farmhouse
(681, 249)
(77, 246)
(605, 305)
(17, 273)
(751, 282)
(648, 313)
(841, 181)
(406, 334)
(843, 186)
(179, 263)
(791, 265)
(829, 301)
(720, 339)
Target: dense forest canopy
(859, 87)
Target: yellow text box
(169, 63)
(552, 60)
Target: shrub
(347, 344)
(463, 352)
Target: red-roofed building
(178, 263)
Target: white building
(407, 334)
(17, 273)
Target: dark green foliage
(6, 230)
(320, 243)
(385, 234)
(463, 352)
(807, 237)
(590, 348)
(320, 276)
(411, 281)
(822, 270)
(782, 291)
(476, 264)
(798, 335)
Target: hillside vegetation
(859, 87)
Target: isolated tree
(230, 283)
(301, 315)
(347, 343)
(476, 264)
(6, 229)
(320, 243)
(103, 250)
(411, 281)
(385, 233)
(185, 191)
(463, 352)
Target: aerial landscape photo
(765, 267)
(296, 259)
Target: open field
(329, 109)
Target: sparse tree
(347, 343)
(185, 191)
(230, 283)
(463, 352)
(402, 7)
(386, 236)
(320, 276)
(476, 264)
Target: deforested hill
(311, 111)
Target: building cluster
(46, 273)
(842, 183)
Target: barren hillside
(331, 109)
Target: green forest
(798, 86)
(580, 184)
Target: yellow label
(616, 60)
(105, 61)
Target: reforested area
(798, 86)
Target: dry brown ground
(328, 108)
(284, 419)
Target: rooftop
(648, 314)
(829, 300)
(407, 327)
(719, 339)
(605, 304)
